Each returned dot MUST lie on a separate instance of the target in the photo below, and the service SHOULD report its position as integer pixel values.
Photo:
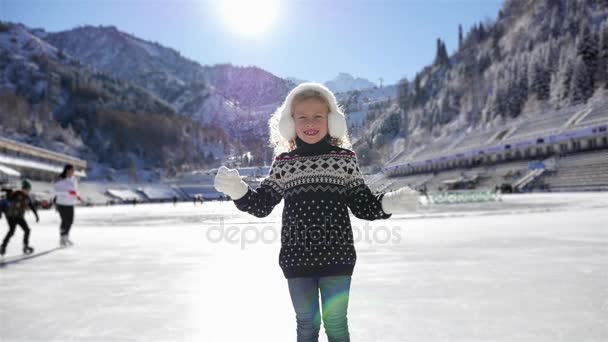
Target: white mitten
(229, 182)
(400, 201)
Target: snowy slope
(345, 82)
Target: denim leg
(304, 294)
(334, 297)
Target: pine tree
(497, 103)
(497, 33)
(573, 17)
(481, 32)
(540, 81)
(517, 92)
(418, 95)
(555, 26)
(441, 56)
(582, 84)
(566, 86)
(460, 38)
(404, 96)
(445, 110)
(587, 49)
(602, 65)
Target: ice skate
(63, 241)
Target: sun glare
(249, 17)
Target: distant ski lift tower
(381, 80)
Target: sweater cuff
(386, 214)
(243, 197)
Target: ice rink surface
(530, 268)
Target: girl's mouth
(311, 132)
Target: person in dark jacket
(18, 202)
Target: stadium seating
(581, 171)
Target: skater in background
(197, 198)
(66, 196)
(18, 202)
(319, 179)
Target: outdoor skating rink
(529, 268)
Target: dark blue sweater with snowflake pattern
(318, 182)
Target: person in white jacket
(66, 196)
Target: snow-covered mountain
(50, 99)
(535, 57)
(220, 93)
(295, 80)
(362, 106)
(223, 95)
(345, 82)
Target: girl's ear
(336, 123)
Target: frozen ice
(529, 268)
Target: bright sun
(249, 17)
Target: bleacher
(93, 193)
(413, 182)
(36, 162)
(370, 180)
(549, 124)
(158, 193)
(254, 173)
(437, 147)
(382, 185)
(27, 163)
(474, 140)
(7, 174)
(207, 191)
(598, 114)
(100, 193)
(125, 195)
(581, 171)
(502, 153)
(498, 174)
(437, 182)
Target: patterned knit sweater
(318, 182)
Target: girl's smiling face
(310, 116)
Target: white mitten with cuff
(400, 201)
(229, 182)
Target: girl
(66, 196)
(319, 179)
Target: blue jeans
(334, 298)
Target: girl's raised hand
(400, 201)
(229, 182)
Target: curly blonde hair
(279, 143)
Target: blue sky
(310, 39)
